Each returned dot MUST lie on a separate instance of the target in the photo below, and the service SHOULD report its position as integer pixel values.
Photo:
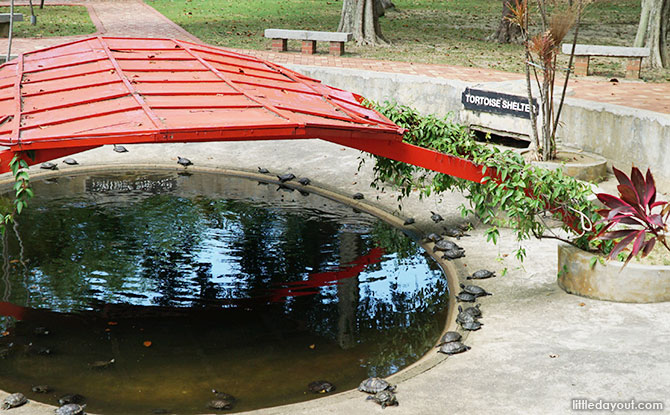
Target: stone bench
(309, 38)
(4, 22)
(584, 52)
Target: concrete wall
(623, 135)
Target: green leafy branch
(22, 190)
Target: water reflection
(232, 284)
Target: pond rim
(451, 269)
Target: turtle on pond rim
(70, 409)
(450, 336)
(14, 400)
(358, 196)
(436, 217)
(450, 254)
(409, 221)
(466, 297)
(263, 170)
(453, 348)
(283, 178)
(321, 386)
(374, 385)
(70, 161)
(433, 237)
(444, 245)
(482, 274)
(120, 149)
(304, 181)
(47, 165)
(471, 325)
(384, 398)
(475, 290)
(184, 161)
(474, 311)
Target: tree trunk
(383, 5)
(507, 31)
(652, 32)
(361, 19)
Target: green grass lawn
(424, 31)
(53, 21)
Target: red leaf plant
(634, 208)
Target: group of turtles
(380, 391)
(67, 408)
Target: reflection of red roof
(104, 90)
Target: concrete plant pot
(636, 283)
(584, 166)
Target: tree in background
(652, 31)
(361, 18)
(507, 31)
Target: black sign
(496, 102)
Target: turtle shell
(436, 217)
(286, 177)
(184, 161)
(475, 290)
(304, 181)
(450, 336)
(14, 400)
(453, 348)
(321, 386)
(41, 389)
(358, 196)
(433, 237)
(71, 398)
(220, 404)
(409, 221)
(471, 325)
(466, 297)
(445, 245)
(474, 311)
(464, 317)
(47, 165)
(453, 254)
(374, 385)
(384, 398)
(70, 161)
(70, 409)
(481, 274)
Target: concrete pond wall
(623, 135)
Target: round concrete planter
(635, 283)
(588, 167)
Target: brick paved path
(134, 18)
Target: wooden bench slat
(308, 35)
(614, 51)
(4, 17)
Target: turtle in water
(47, 165)
(374, 385)
(474, 311)
(384, 398)
(70, 161)
(70, 409)
(41, 389)
(471, 325)
(71, 398)
(304, 181)
(14, 400)
(466, 297)
(433, 237)
(321, 386)
(450, 336)
(453, 348)
(41, 331)
(450, 254)
(482, 274)
(184, 161)
(101, 364)
(408, 221)
(120, 149)
(263, 170)
(222, 401)
(475, 290)
(286, 177)
(454, 232)
(358, 196)
(445, 245)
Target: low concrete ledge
(636, 283)
(308, 35)
(593, 169)
(614, 51)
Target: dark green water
(238, 286)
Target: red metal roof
(104, 90)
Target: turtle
(47, 165)
(358, 196)
(184, 161)
(445, 245)
(71, 398)
(303, 193)
(450, 336)
(464, 317)
(70, 409)
(433, 237)
(321, 386)
(41, 331)
(450, 254)
(221, 403)
(304, 181)
(436, 217)
(101, 364)
(41, 389)
(263, 170)
(374, 385)
(466, 297)
(482, 274)
(454, 232)
(384, 398)
(120, 149)
(409, 221)
(284, 188)
(471, 325)
(474, 311)
(70, 161)
(14, 400)
(453, 348)
(286, 177)
(475, 290)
